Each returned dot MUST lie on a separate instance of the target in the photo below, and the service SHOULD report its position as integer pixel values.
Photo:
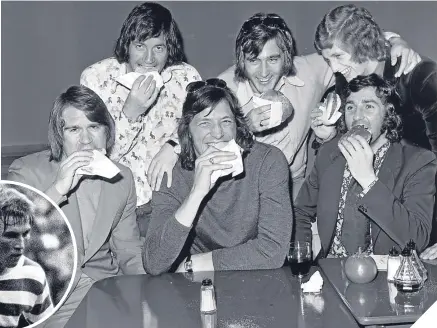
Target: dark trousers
(144, 213)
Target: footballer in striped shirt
(24, 289)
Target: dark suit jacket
(399, 205)
(115, 229)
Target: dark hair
(150, 20)
(201, 95)
(355, 31)
(86, 100)
(386, 91)
(15, 208)
(255, 33)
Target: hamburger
(359, 130)
(277, 96)
(332, 103)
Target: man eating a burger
(369, 188)
(97, 195)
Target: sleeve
(269, 249)
(165, 236)
(306, 202)
(190, 75)
(18, 172)
(125, 239)
(43, 305)
(424, 94)
(319, 68)
(408, 217)
(126, 130)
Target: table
(245, 299)
(378, 303)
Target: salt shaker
(207, 297)
(416, 260)
(393, 263)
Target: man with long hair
(229, 223)
(374, 196)
(146, 116)
(79, 125)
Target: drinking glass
(299, 258)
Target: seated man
(236, 223)
(353, 44)
(370, 196)
(80, 123)
(24, 290)
(146, 115)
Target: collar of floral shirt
(245, 93)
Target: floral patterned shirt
(138, 142)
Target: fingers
(262, 109)
(150, 89)
(169, 178)
(138, 81)
(159, 177)
(316, 114)
(413, 60)
(403, 64)
(430, 253)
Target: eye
(26, 234)
(252, 60)
(369, 106)
(73, 130)
(273, 60)
(349, 107)
(94, 127)
(204, 124)
(139, 46)
(228, 122)
(159, 48)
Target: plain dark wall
(46, 45)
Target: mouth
(264, 81)
(346, 71)
(218, 145)
(144, 69)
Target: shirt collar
(245, 93)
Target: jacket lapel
(106, 210)
(387, 173)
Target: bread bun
(277, 96)
(333, 103)
(359, 130)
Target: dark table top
(378, 302)
(245, 299)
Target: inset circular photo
(38, 256)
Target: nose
(19, 244)
(264, 69)
(358, 115)
(85, 137)
(149, 57)
(217, 131)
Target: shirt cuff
(365, 191)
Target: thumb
(394, 58)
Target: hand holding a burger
(259, 117)
(354, 146)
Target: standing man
(353, 44)
(24, 290)
(265, 56)
(145, 117)
(80, 123)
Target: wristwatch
(175, 145)
(188, 265)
